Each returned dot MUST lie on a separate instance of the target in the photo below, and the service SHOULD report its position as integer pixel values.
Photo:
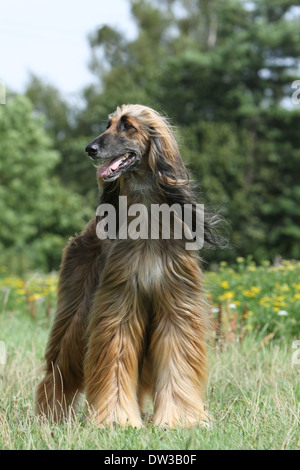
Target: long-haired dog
(131, 314)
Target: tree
(68, 137)
(223, 72)
(37, 215)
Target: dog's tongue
(105, 171)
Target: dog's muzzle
(92, 150)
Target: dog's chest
(149, 273)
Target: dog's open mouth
(114, 168)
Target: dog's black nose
(92, 149)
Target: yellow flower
(296, 297)
(264, 300)
(252, 291)
(251, 268)
(249, 327)
(249, 293)
(19, 283)
(226, 295)
(291, 267)
(223, 263)
(279, 303)
(21, 291)
(51, 281)
(284, 287)
(225, 285)
(240, 259)
(255, 289)
(13, 281)
(35, 297)
(52, 288)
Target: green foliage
(261, 298)
(61, 124)
(221, 71)
(37, 213)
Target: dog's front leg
(115, 347)
(177, 348)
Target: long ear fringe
(172, 180)
(166, 163)
(215, 231)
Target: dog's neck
(138, 189)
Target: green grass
(253, 392)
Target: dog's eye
(128, 126)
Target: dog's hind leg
(63, 381)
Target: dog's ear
(165, 160)
(159, 157)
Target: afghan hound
(132, 317)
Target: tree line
(222, 72)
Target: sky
(49, 39)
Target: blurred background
(225, 72)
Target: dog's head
(139, 142)
(137, 139)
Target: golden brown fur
(131, 316)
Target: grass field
(254, 384)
